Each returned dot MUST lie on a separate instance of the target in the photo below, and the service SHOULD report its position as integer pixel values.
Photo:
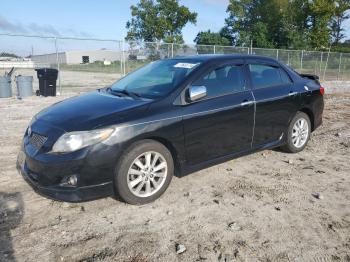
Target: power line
(60, 37)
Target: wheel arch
(172, 149)
(175, 152)
(311, 116)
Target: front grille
(37, 140)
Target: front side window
(265, 76)
(156, 79)
(223, 80)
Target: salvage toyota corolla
(170, 116)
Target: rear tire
(144, 172)
(298, 133)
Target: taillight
(322, 90)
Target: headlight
(30, 125)
(73, 141)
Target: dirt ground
(268, 206)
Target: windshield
(156, 79)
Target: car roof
(211, 57)
(223, 57)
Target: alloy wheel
(147, 174)
(300, 133)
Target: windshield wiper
(124, 92)
(132, 94)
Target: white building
(78, 57)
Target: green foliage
(342, 47)
(8, 55)
(97, 66)
(297, 24)
(211, 38)
(321, 14)
(340, 15)
(159, 20)
(294, 25)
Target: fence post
(172, 50)
(301, 60)
(124, 61)
(58, 67)
(121, 58)
(325, 68)
(214, 50)
(277, 54)
(339, 68)
(315, 68)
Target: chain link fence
(87, 64)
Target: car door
(222, 122)
(275, 98)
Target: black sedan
(172, 116)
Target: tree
(4, 54)
(321, 12)
(225, 32)
(159, 20)
(258, 21)
(295, 25)
(238, 24)
(211, 38)
(340, 15)
(286, 24)
(342, 47)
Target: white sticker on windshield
(185, 65)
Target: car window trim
(273, 86)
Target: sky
(104, 19)
(96, 19)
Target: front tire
(144, 172)
(298, 133)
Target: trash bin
(5, 86)
(24, 85)
(47, 81)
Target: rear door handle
(247, 103)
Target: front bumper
(66, 194)
(46, 173)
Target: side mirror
(197, 92)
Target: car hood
(91, 110)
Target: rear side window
(223, 80)
(265, 76)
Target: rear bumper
(318, 114)
(66, 194)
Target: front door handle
(247, 103)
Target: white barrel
(5, 86)
(24, 85)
